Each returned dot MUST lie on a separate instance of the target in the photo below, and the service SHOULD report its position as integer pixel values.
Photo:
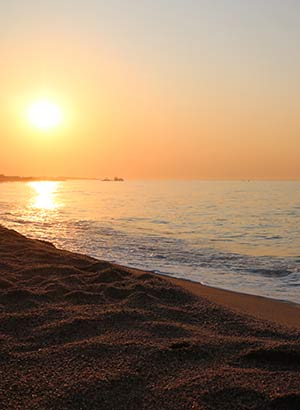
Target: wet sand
(77, 333)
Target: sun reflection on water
(45, 194)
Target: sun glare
(44, 114)
(45, 194)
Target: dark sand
(76, 333)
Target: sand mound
(289, 402)
(279, 357)
(76, 333)
(4, 284)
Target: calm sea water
(243, 236)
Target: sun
(44, 114)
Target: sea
(237, 235)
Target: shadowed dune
(282, 357)
(77, 333)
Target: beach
(81, 333)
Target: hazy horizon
(173, 90)
(112, 176)
(53, 176)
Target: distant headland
(16, 178)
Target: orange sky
(149, 93)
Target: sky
(186, 89)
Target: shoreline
(282, 312)
(261, 307)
